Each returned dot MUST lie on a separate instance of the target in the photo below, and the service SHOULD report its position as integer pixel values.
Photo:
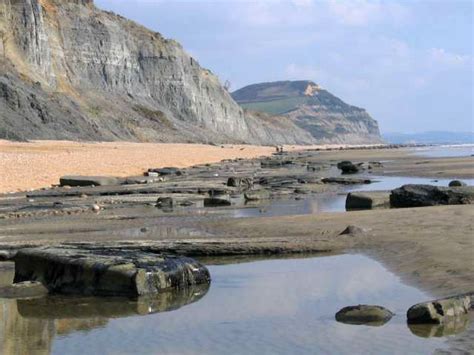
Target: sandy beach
(38, 164)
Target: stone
(348, 167)
(95, 207)
(107, 271)
(364, 314)
(23, 289)
(256, 195)
(367, 200)
(457, 183)
(165, 202)
(429, 195)
(242, 183)
(439, 311)
(353, 230)
(78, 180)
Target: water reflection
(451, 327)
(273, 306)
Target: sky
(408, 63)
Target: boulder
(364, 314)
(242, 183)
(348, 167)
(367, 200)
(78, 180)
(429, 195)
(439, 311)
(457, 183)
(106, 271)
(256, 195)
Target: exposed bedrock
(107, 272)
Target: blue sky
(409, 63)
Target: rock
(348, 167)
(166, 171)
(374, 165)
(107, 271)
(428, 195)
(242, 183)
(23, 289)
(439, 311)
(457, 183)
(90, 180)
(165, 202)
(367, 200)
(364, 314)
(95, 208)
(345, 181)
(256, 195)
(152, 174)
(274, 163)
(353, 230)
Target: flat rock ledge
(364, 314)
(439, 311)
(107, 271)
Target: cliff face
(327, 118)
(71, 71)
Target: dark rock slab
(221, 201)
(364, 314)
(78, 180)
(346, 181)
(367, 200)
(242, 183)
(106, 271)
(166, 171)
(429, 195)
(439, 311)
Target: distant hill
(435, 137)
(326, 117)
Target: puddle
(445, 151)
(275, 306)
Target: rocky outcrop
(367, 200)
(71, 71)
(327, 118)
(107, 272)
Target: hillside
(71, 71)
(327, 118)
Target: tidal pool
(280, 306)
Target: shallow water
(331, 202)
(264, 307)
(444, 151)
